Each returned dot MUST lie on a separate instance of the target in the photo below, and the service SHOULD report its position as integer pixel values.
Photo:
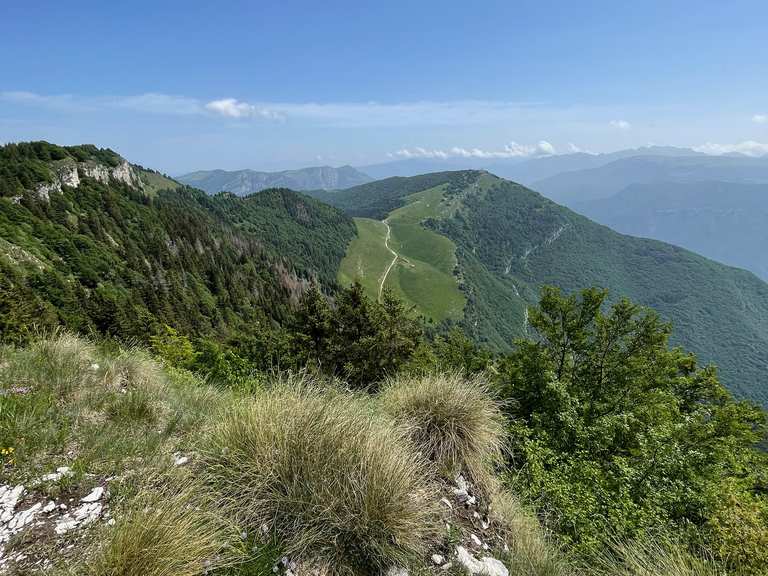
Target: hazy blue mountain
(725, 221)
(244, 182)
(572, 187)
(523, 170)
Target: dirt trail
(394, 258)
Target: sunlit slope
(509, 241)
(424, 264)
(367, 258)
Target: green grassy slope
(510, 241)
(423, 274)
(367, 258)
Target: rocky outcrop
(68, 174)
(29, 510)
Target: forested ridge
(116, 259)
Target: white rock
(85, 514)
(68, 176)
(395, 571)
(94, 496)
(9, 497)
(487, 566)
(24, 517)
(475, 540)
(44, 190)
(50, 507)
(60, 473)
(179, 460)
(461, 483)
(437, 559)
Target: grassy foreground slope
(511, 241)
(180, 478)
(165, 474)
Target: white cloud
(760, 118)
(747, 148)
(233, 108)
(620, 124)
(349, 114)
(511, 150)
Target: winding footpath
(394, 258)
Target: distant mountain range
(519, 169)
(725, 221)
(245, 182)
(575, 186)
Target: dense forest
(112, 258)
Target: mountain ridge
(244, 182)
(510, 241)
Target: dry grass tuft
(166, 532)
(455, 421)
(652, 557)
(337, 485)
(531, 552)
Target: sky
(182, 86)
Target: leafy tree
(173, 348)
(613, 429)
(359, 339)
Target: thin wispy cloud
(511, 150)
(747, 148)
(620, 124)
(463, 112)
(760, 118)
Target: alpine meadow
(398, 290)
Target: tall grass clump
(653, 556)
(163, 532)
(530, 551)
(455, 421)
(337, 485)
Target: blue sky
(193, 85)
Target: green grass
(167, 531)
(423, 275)
(344, 483)
(154, 182)
(367, 258)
